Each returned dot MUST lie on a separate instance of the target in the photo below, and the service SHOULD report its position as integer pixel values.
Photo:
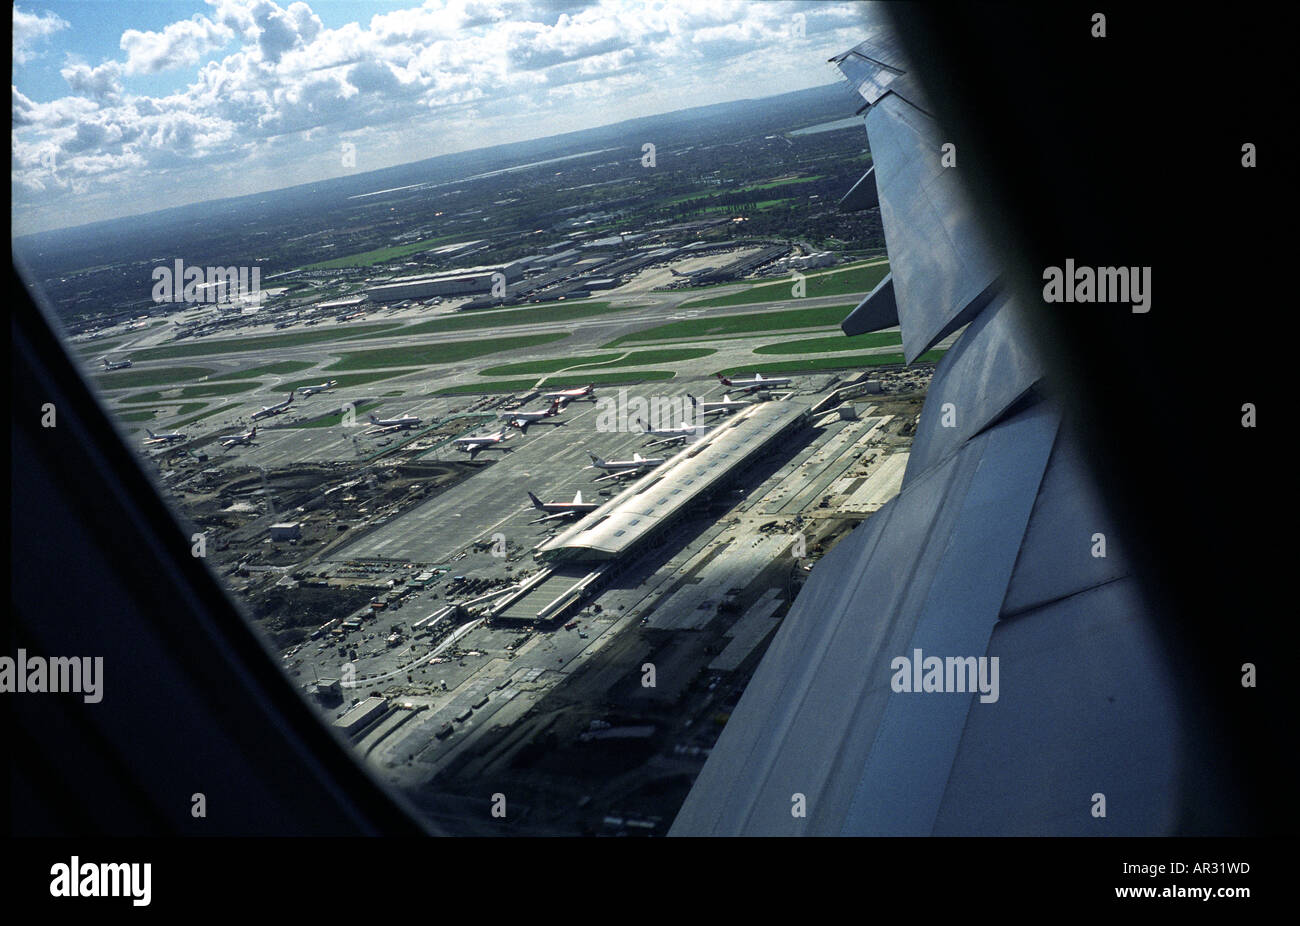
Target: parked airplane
(404, 422)
(727, 405)
(619, 468)
(166, 438)
(522, 420)
(752, 385)
(394, 424)
(674, 435)
(269, 410)
(554, 510)
(240, 438)
(312, 390)
(120, 365)
(473, 444)
(569, 395)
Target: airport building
(362, 715)
(581, 558)
(646, 509)
(286, 531)
(464, 282)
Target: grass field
(206, 391)
(525, 315)
(723, 325)
(148, 414)
(776, 183)
(133, 379)
(832, 343)
(136, 413)
(228, 407)
(431, 354)
(331, 421)
(599, 361)
(564, 381)
(265, 342)
(838, 362)
(379, 255)
(350, 379)
(850, 281)
(271, 369)
(97, 347)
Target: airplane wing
(988, 551)
(555, 517)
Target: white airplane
(674, 435)
(269, 410)
(752, 385)
(619, 468)
(238, 439)
(522, 420)
(166, 438)
(312, 390)
(395, 424)
(554, 510)
(473, 444)
(568, 395)
(726, 406)
(120, 365)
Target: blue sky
(121, 108)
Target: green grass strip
(437, 353)
(832, 344)
(832, 283)
(840, 362)
(268, 342)
(558, 382)
(133, 379)
(722, 325)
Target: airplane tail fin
(596, 460)
(722, 379)
(694, 401)
(373, 419)
(537, 502)
(150, 433)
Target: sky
(122, 107)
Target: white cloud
(180, 44)
(30, 28)
(101, 83)
(443, 76)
